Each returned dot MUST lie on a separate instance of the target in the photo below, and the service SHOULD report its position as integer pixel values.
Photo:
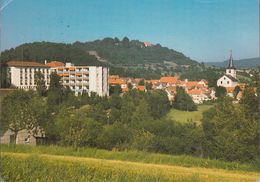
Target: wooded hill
(109, 51)
(241, 63)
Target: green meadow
(184, 116)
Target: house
(198, 96)
(229, 78)
(23, 137)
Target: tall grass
(135, 156)
(43, 167)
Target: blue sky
(204, 30)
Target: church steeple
(231, 62)
(231, 70)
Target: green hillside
(107, 51)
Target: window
(221, 82)
(27, 140)
(227, 82)
(224, 78)
(229, 71)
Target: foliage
(22, 111)
(40, 84)
(220, 91)
(40, 51)
(197, 74)
(183, 101)
(231, 132)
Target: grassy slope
(45, 167)
(184, 116)
(134, 156)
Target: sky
(204, 30)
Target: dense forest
(111, 50)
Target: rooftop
(25, 64)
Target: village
(198, 90)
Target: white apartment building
(80, 79)
(21, 74)
(84, 79)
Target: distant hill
(242, 63)
(109, 51)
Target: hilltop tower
(231, 70)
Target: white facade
(226, 81)
(98, 80)
(231, 72)
(22, 76)
(84, 79)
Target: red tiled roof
(169, 79)
(194, 92)
(141, 87)
(55, 64)
(116, 81)
(190, 84)
(25, 64)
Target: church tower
(231, 70)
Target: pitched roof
(169, 79)
(231, 62)
(231, 78)
(55, 64)
(141, 87)
(116, 81)
(25, 64)
(194, 92)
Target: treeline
(40, 51)
(113, 50)
(136, 121)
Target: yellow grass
(171, 172)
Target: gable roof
(231, 78)
(55, 64)
(25, 64)
(169, 79)
(116, 81)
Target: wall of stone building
(23, 137)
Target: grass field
(53, 163)
(184, 116)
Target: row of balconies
(72, 71)
(73, 77)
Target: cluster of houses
(198, 90)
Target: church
(229, 79)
